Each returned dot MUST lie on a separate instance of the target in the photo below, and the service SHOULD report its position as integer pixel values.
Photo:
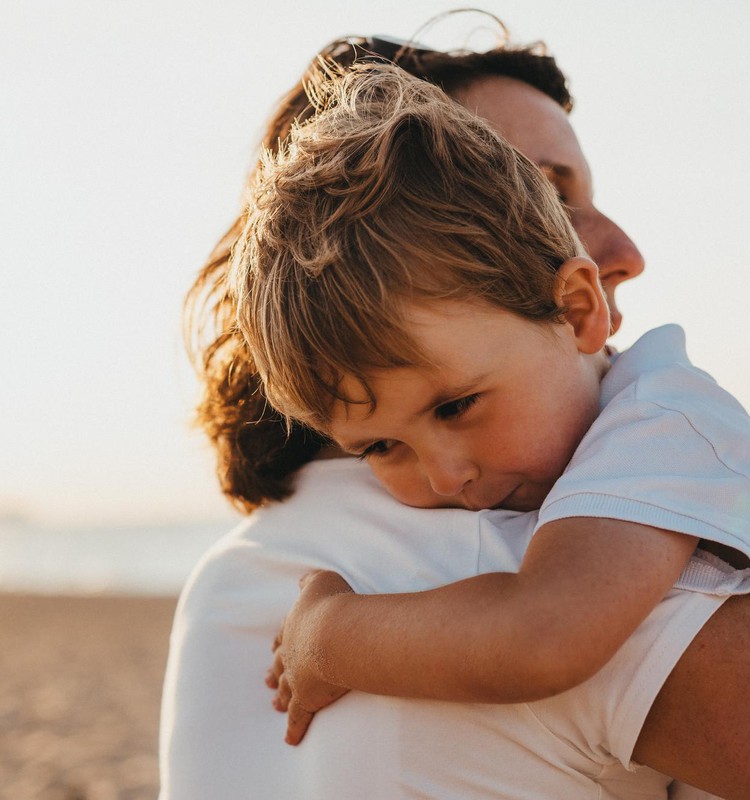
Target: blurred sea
(146, 560)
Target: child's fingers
(275, 671)
(279, 638)
(272, 682)
(283, 697)
(298, 721)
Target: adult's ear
(580, 292)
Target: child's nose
(448, 476)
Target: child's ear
(579, 291)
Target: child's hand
(294, 674)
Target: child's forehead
(464, 345)
(450, 332)
(436, 332)
(423, 384)
(442, 334)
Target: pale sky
(126, 132)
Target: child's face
(493, 425)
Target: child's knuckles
(284, 692)
(278, 664)
(308, 576)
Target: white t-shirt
(671, 449)
(220, 737)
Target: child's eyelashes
(379, 448)
(446, 411)
(455, 408)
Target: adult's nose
(616, 254)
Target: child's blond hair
(390, 194)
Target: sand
(79, 696)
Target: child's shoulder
(657, 371)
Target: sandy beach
(79, 696)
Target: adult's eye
(562, 195)
(558, 183)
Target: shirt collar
(659, 348)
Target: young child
(410, 285)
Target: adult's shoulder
(340, 518)
(607, 713)
(278, 542)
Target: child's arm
(584, 586)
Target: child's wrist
(330, 636)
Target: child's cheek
(407, 484)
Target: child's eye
(456, 407)
(379, 448)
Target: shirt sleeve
(675, 456)
(603, 717)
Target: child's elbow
(558, 664)
(560, 674)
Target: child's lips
(527, 496)
(480, 505)
(507, 501)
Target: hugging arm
(584, 586)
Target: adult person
(683, 670)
